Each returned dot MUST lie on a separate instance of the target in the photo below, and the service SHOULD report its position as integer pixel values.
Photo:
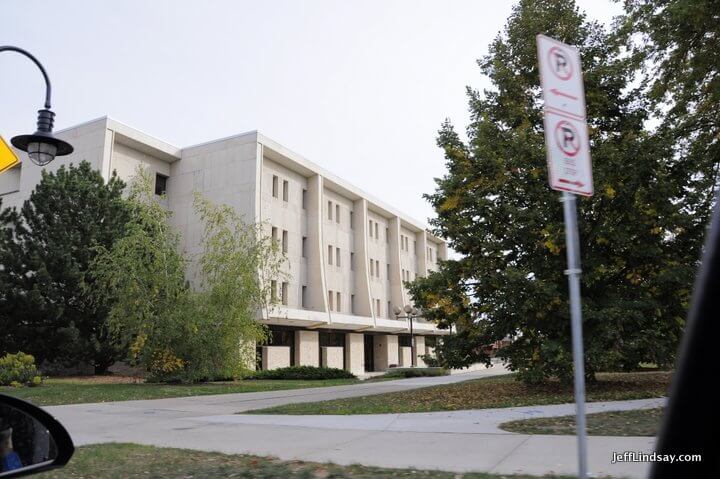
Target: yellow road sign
(8, 158)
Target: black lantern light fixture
(42, 147)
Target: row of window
(283, 292)
(406, 275)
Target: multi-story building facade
(348, 253)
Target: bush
(19, 370)
(302, 372)
(416, 372)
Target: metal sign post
(569, 171)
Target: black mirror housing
(31, 440)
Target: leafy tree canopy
(640, 234)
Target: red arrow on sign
(575, 183)
(562, 93)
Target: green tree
(173, 331)
(639, 243)
(45, 252)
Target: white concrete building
(348, 253)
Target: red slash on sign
(561, 93)
(575, 183)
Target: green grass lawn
(641, 422)
(492, 392)
(74, 391)
(120, 461)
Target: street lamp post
(410, 314)
(42, 147)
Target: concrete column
(363, 300)
(355, 353)
(317, 285)
(422, 259)
(404, 356)
(275, 357)
(307, 348)
(386, 351)
(332, 357)
(396, 288)
(419, 351)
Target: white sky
(359, 87)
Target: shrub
(302, 372)
(19, 370)
(416, 372)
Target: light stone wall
(286, 216)
(405, 356)
(307, 351)
(355, 353)
(419, 351)
(385, 351)
(332, 357)
(275, 357)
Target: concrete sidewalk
(455, 441)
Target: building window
(273, 290)
(284, 294)
(377, 307)
(338, 302)
(286, 190)
(402, 243)
(285, 242)
(274, 235)
(275, 186)
(303, 297)
(376, 231)
(377, 268)
(388, 271)
(337, 213)
(352, 261)
(330, 254)
(304, 199)
(304, 247)
(372, 265)
(370, 228)
(330, 210)
(352, 221)
(352, 304)
(330, 300)
(337, 257)
(390, 313)
(387, 235)
(160, 184)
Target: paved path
(457, 441)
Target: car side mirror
(31, 440)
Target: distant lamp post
(42, 147)
(410, 314)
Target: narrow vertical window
(338, 302)
(285, 241)
(286, 190)
(389, 310)
(376, 231)
(388, 271)
(304, 199)
(337, 257)
(387, 235)
(275, 186)
(330, 300)
(377, 268)
(273, 290)
(352, 303)
(352, 261)
(304, 247)
(372, 264)
(337, 213)
(370, 228)
(377, 307)
(274, 234)
(330, 210)
(352, 220)
(160, 184)
(330, 254)
(303, 297)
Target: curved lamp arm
(48, 88)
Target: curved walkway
(455, 441)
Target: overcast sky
(358, 87)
